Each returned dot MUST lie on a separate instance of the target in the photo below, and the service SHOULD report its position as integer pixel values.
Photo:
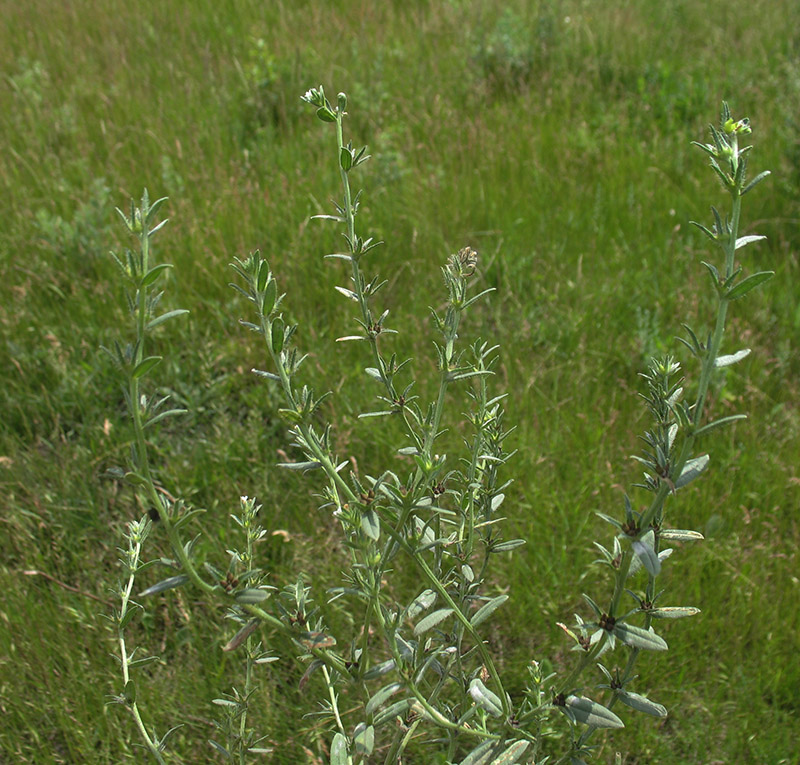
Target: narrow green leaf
(129, 692)
(383, 695)
(487, 609)
(511, 544)
(431, 620)
(219, 748)
(638, 637)
(163, 415)
(143, 662)
(345, 159)
(591, 713)
(277, 336)
(153, 323)
(484, 698)
(270, 297)
(719, 423)
(339, 750)
(134, 479)
(732, 358)
(154, 273)
(642, 704)
(165, 584)
(749, 283)
(760, 177)
(263, 276)
(144, 366)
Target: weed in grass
(399, 659)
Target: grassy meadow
(553, 137)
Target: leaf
(398, 709)
(339, 750)
(421, 603)
(680, 535)
(251, 596)
(743, 240)
(641, 704)
(760, 177)
(673, 612)
(431, 620)
(591, 713)
(242, 635)
(732, 358)
(277, 336)
(379, 669)
(483, 754)
(638, 637)
(317, 640)
(749, 283)
(364, 738)
(143, 662)
(719, 423)
(647, 555)
(484, 698)
(487, 609)
(379, 698)
(512, 754)
(511, 544)
(371, 525)
(691, 470)
(163, 415)
(129, 692)
(165, 584)
(221, 749)
(144, 366)
(154, 273)
(166, 317)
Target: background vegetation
(551, 136)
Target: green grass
(552, 137)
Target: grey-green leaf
(680, 535)
(364, 739)
(484, 698)
(421, 603)
(487, 609)
(743, 240)
(512, 754)
(382, 696)
(647, 555)
(673, 612)
(251, 596)
(371, 525)
(431, 620)
(483, 754)
(165, 584)
(750, 283)
(638, 637)
(642, 704)
(144, 366)
(691, 470)
(339, 750)
(591, 713)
